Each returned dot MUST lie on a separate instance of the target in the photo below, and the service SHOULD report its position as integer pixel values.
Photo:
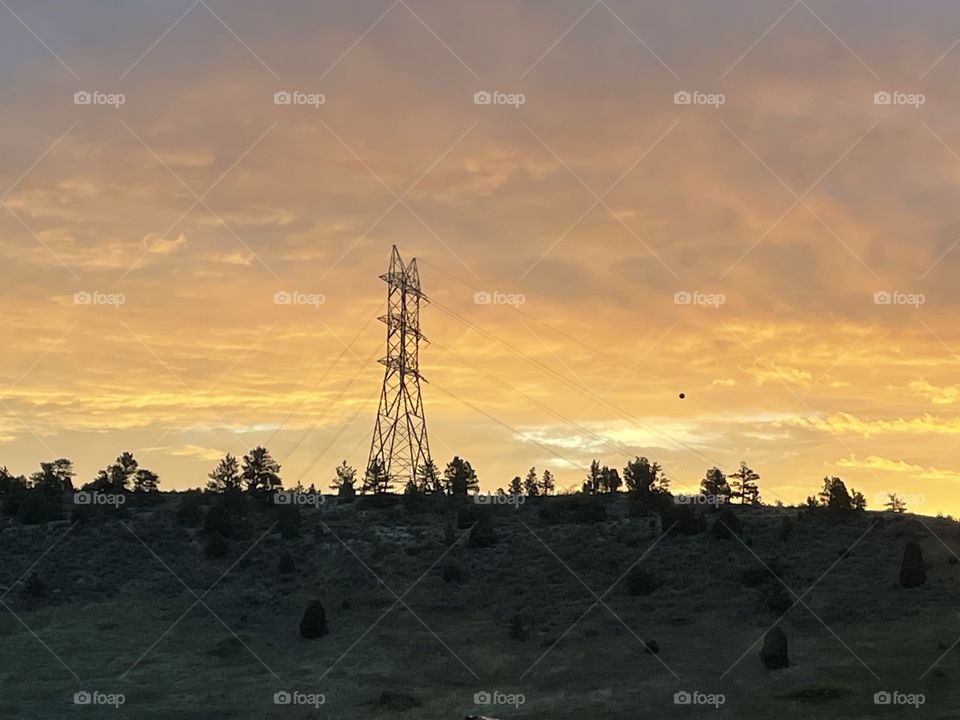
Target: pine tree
(895, 503)
(516, 486)
(376, 480)
(261, 473)
(145, 481)
(530, 485)
(225, 477)
(643, 477)
(714, 484)
(547, 484)
(428, 478)
(743, 485)
(344, 482)
(593, 483)
(459, 477)
(56, 476)
(609, 480)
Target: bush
(314, 622)
(564, 509)
(726, 525)
(773, 654)
(40, 506)
(912, 572)
(483, 535)
(517, 628)
(639, 582)
(786, 529)
(775, 598)
(470, 515)
(288, 521)
(286, 564)
(219, 520)
(681, 520)
(754, 577)
(397, 701)
(188, 511)
(35, 588)
(453, 573)
(216, 546)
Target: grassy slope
(112, 600)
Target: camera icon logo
(83, 498)
(483, 97)
(882, 98)
(283, 498)
(882, 298)
(282, 97)
(682, 698)
(82, 97)
(82, 298)
(682, 298)
(482, 298)
(82, 698)
(882, 698)
(682, 97)
(282, 697)
(282, 297)
(482, 698)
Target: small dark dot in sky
(682, 396)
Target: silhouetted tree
(10, 483)
(547, 484)
(743, 485)
(643, 477)
(56, 476)
(459, 477)
(376, 480)
(593, 484)
(609, 480)
(225, 477)
(260, 472)
(895, 503)
(145, 481)
(428, 477)
(714, 483)
(516, 486)
(531, 486)
(344, 482)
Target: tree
(225, 477)
(593, 485)
(547, 484)
(145, 481)
(834, 495)
(459, 477)
(743, 485)
(56, 476)
(610, 480)
(714, 484)
(10, 483)
(344, 481)
(516, 486)
(428, 477)
(895, 503)
(644, 477)
(376, 480)
(260, 472)
(531, 486)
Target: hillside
(545, 601)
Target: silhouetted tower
(400, 437)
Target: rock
(314, 622)
(774, 651)
(912, 572)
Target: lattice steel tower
(400, 436)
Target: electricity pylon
(399, 447)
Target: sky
(781, 249)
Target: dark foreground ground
(425, 624)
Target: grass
(124, 623)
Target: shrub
(453, 573)
(652, 647)
(35, 588)
(286, 564)
(912, 572)
(483, 535)
(726, 525)
(640, 582)
(40, 506)
(216, 546)
(314, 622)
(188, 511)
(786, 529)
(681, 520)
(773, 654)
(397, 701)
(754, 576)
(583, 509)
(219, 520)
(775, 597)
(517, 628)
(288, 521)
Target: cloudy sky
(779, 201)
